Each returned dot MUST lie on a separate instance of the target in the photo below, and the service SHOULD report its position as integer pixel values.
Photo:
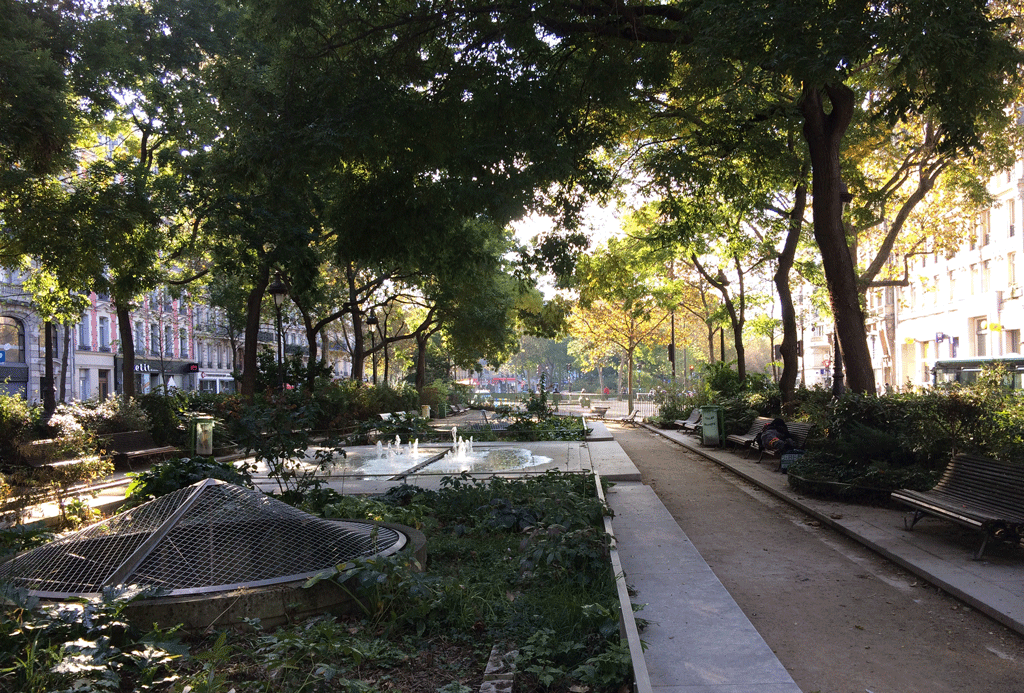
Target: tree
(621, 302)
(956, 62)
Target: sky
(601, 223)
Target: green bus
(965, 371)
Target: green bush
(164, 413)
(346, 402)
(904, 440)
(167, 477)
(15, 425)
(113, 415)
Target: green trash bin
(711, 425)
(202, 435)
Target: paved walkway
(937, 551)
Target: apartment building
(970, 304)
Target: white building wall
(971, 304)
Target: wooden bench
(798, 431)
(748, 440)
(976, 492)
(690, 421)
(134, 445)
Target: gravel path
(840, 618)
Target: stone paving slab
(698, 639)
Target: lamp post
(278, 290)
(372, 322)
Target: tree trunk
(629, 380)
(823, 133)
(47, 384)
(421, 361)
(124, 330)
(253, 305)
(63, 395)
(314, 352)
(790, 357)
(357, 329)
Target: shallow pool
(367, 461)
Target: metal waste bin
(425, 411)
(711, 425)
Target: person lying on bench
(775, 438)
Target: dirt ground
(840, 618)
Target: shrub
(164, 414)
(167, 477)
(15, 423)
(113, 415)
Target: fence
(643, 402)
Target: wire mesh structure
(209, 537)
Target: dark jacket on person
(775, 437)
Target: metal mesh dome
(210, 536)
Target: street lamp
(278, 289)
(372, 322)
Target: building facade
(969, 304)
(178, 343)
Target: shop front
(169, 374)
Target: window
(935, 289)
(84, 390)
(84, 334)
(1011, 269)
(986, 276)
(986, 227)
(974, 279)
(1011, 213)
(104, 336)
(980, 336)
(168, 341)
(952, 284)
(154, 340)
(183, 346)
(12, 339)
(1012, 341)
(139, 338)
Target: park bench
(798, 431)
(976, 492)
(748, 440)
(690, 421)
(129, 446)
(631, 419)
(694, 427)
